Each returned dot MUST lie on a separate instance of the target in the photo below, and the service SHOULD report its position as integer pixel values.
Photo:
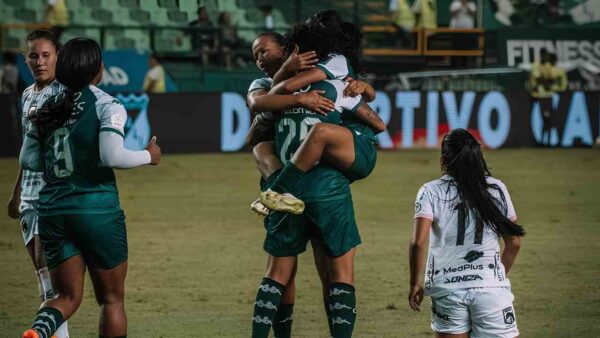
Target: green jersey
(292, 126)
(76, 180)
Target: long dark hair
(79, 61)
(348, 35)
(462, 159)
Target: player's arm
(417, 252)
(298, 81)
(370, 117)
(113, 153)
(261, 101)
(295, 63)
(15, 198)
(358, 87)
(512, 245)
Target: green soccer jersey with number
(76, 180)
(292, 126)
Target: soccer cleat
(282, 202)
(259, 208)
(32, 334)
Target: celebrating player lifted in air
(328, 215)
(462, 215)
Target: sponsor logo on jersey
(463, 268)
(298, 110)
(417, 207)
(509, 316)
(473, 255)
(464, 278)
(438, 314)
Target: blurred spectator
(541, 90)
(268, 13)
(463, 17)
(154, 81)
(57, 16)
(463, 14)
(559, 75)
(10, 73)
(228, 39)
(425, 13)
(203, 35)
(404, 21)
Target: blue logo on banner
(137, 127)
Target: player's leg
(282, 324)
(270, 291)
(321, 264)
(67, 278)
(268, 164)
(109, 288)
(333, 142)
(342, 295)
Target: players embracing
(304, 202)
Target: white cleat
(259, 208)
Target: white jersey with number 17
(463, 253)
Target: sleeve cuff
(329, 74)
(427, 216)
(118, 132)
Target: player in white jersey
(40, 57)
(463, 215)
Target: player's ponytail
(79, 62)
(462, 159)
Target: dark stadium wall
(218, 122)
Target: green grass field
(196, 253)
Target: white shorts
(485, 312)
(28, 217)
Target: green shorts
(100, 238)
(330, 222)
(365, 157)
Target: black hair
(462, 159)
(278, 38)
(348, 35)
(43, 34)
(79, 61)
(310, 37)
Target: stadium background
(196, 251)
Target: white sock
(63, 331)
(45, 279)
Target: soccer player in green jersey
(76, 139)
(329, 219)
(349, 147)
(40, 57)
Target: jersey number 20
(304, 127)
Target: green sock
(282, 325)
(328, 314)
(47, 321)
(265, 308)
(342, 303)
(288, 180)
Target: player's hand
(415, 297)
(298, 62)
(154, 150)
(315, 101)
(13, 206)
(354, 87)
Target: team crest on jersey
(417, 207)
(509, 315)
(31, 111)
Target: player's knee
(319, 132)
(112, 296)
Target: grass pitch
(196, 253)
